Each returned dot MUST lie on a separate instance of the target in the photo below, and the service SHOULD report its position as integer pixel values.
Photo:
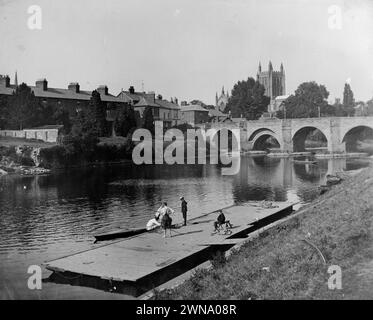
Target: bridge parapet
(285, 130)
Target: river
(45, 217)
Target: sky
(186, 48)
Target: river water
(46, 217)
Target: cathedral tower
(273, 81)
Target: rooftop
(216, 113)
(193, 107)
(146, 102)
(167, 104)
(58, 93)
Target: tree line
(309, 100)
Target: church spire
(270, 68)
(282, 68)
(16, 79)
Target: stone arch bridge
(291, 133)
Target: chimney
(42, 84)
(74, 87)
(103, 89)
(131, 90)
(4, 81)
(184, 103)
(150, 96)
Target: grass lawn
(279, 264)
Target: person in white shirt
(166, 220)
(153, 223)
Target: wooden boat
(119, 234)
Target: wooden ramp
(137, 257)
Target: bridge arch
(354, 134)
(258, 131)
(300, 135)
(259, 141)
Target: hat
(181, 198)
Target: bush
(8, 152)
(77, 150)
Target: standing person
(160, 211)
(166, 220)
(184, 209)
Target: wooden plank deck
(137, 257)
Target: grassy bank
(279, 264)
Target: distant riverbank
(34, 157)
(287, 261)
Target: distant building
(163, 110)
(217, 115)
(73, 99)
(194, 114)
(168, 112)
(277, 104)
(274, 84)
(221, 101)
(361, 109)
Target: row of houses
(74, 99)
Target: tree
(61, 116)
(370, 107)
(308, 101)
(4, 117)
(126, 120)
(83, 136)
(24, 109)
(348, 100)
(98, 111)
(84, 125)
(248, 100)
(148, 119)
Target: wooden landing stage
(148, 259)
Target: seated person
(221, 221)
(153, 223)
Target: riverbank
(33, 157)
(282, 263)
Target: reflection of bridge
(291, 133)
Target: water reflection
(45, 217)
